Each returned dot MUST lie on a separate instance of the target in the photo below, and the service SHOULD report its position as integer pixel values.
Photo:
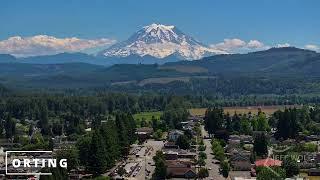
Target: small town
(191, 152)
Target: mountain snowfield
(160, 41)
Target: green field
(147, 115)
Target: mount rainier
(161, 41)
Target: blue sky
(210, 21)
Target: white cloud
(229, 44)
(312, 47)
(255, 44)
(46, 45)
(283, 45)
(238, 45)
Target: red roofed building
(268, 162)
(264, 163)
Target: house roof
(175, 131)
(144, 129)
(314, 170)
(169, 143)
(239, 157)
(268, 162)
(177, 164)
(180, 171)
(171, 152)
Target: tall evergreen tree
(83, 145)
(287, 124)
(97, 161)
(10, 127)
(110, 136)
(43, 119)
(161, 169)
(214, 120)
(123, 133)
(290, 166)
(260, 146)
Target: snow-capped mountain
(160, 41)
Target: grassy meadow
(147, 115)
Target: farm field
(166, 80)
(241, 110)
(231, 110)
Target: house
(180, 169)
(268, 162)
(247, 139)
(8, 145)
(232, 145)
(186, 173)
(170, 155)
(317, 159)
(240, 162)
(174, 154)
(307, 165)
(186, 155)
(144, 133)
(60, 139)
(2, 156)
(313, 137)
(314, 172)
(222, 134)
(170, 145)
(144, 130)
(174, 135)
(234, 137)
(195, 118)
(309, 157)
(188, 125)
(79, 174)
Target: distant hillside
(128, 72)
(78, 74)
(22, 71)
(7, 58)
(3, 90)
(63, 58)
(274, 61)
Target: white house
(174, 135)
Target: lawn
(147, 115)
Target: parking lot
(139, 164)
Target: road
(214, 172)
(146, 162)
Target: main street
(212, 168)
(146, 160)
